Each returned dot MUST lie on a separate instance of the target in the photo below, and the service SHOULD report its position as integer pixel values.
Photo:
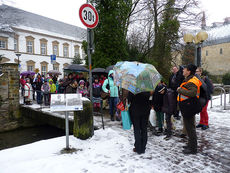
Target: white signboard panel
(66, 102)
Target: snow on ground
(110, 150)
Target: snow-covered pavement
(110, 150)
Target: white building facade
(36, 38)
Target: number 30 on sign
(88, 16)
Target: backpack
(203, 99)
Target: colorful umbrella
(136, 77)
(54, 72)
(25, 73)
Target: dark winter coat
(96, 89)
(176, 81)
(61, 89)
(66, 83)
(169, 104)
(210, 87)
(71, 89)
(157, 100)
(139, 104)
(38, 84)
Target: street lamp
(18, 55)
(197, 40)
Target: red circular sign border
(81, 18)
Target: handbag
(125, 116)
(126, 121)
(105, 95)
(152, 118)
(190, 106)
(121, 106)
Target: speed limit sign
(88, 15)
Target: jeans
(160, 119)
(46, 99)
(39, 97)
(112, 105)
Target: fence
(223, 89)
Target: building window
(221, 51)
(16, 44)
(206, 53)
(56, 66)
(30, 68)
(3, 43)
(55, 48)
(43, 48)
(65, 51)
(44, 70)
(76, 51)
(29, 44)
(43, 44)
(30, 65)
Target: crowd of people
(185, 88)
(39, 88)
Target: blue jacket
(113, 88)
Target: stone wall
(9, 91)
(215, 62)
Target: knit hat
(81, 82)
(192, 68)
(161, 88)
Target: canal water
(24, 136)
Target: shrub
(226, 79)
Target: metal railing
(222, 88)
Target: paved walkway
(213, 146)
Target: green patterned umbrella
(136, 77)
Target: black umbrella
(109, 68)
(76, 68)
(98, 70)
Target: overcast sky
(67, 10)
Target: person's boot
(160, 130)
(189, 151)
(112, 118)
(199, 125)
(168, 137)
(185, 147)
(205, 127)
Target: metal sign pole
(67, 128)
(89, 40)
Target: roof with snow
(218, 35)
(219, 32)
(14, 17)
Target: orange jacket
(193, 80)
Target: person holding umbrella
(140, 80)
(139, 113)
